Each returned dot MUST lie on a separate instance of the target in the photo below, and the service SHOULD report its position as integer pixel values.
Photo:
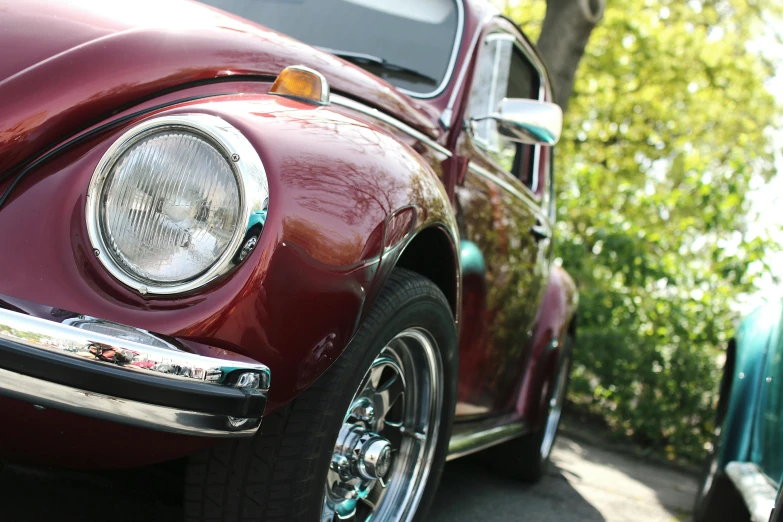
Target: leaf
(665, 132)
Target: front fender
(339, 190)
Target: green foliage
(665, 131)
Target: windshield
(408, 43)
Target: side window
(503, 71)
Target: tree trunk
(567, 27)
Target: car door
(505, 227)
(767, 440)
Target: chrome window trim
(448, 112)
(495, 66)
(246, 166)
(524, 196)
(452, 60)
(543, 84)
(504, 35)
(493, 37)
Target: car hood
(74, 63)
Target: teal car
(743, 477)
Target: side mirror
(531, 122)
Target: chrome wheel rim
(383, 454)
(555, 410)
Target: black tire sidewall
(395, 312)
(279, 475)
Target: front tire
(367, 440)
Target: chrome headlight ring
(252, 185)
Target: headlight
(173, 202)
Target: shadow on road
(626, 484)
(585, 483)
(66, 496)
(469, 492)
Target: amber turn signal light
(302, 83)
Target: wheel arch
(432, 253)
(339, 221)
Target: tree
(564, 35)
(666, 130)
(567, 26)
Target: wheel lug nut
(366, 413)
(341, 465)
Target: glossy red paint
(351, 196)
(105, 56)
(60, 439)
(497, 212)
(295, 303)
(553, 325)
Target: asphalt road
(585, 484)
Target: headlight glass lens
(171, 206)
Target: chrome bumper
(147, 381)
(756, 489)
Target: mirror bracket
(531, 122)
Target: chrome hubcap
(375, 459)
(383, 453)
(360, 454)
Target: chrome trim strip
(536, 167)
(503, 35)
(467, 443)
(397, 124)
(496, 68)
(506, 185)
(543, 84)
(448, 112)
(452, 60)
(113, 351)
(251, 180)
(755, 488)
(385, 118)
(525, 193)
(51, 395)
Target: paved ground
(586, 484)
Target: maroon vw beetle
(313, 271)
